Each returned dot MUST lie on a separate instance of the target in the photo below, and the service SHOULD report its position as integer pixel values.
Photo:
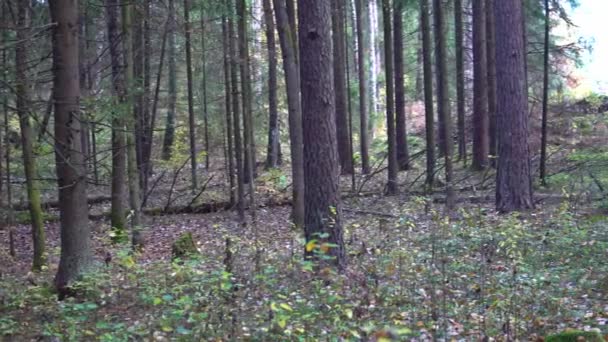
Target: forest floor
(414, 271)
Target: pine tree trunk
(27, 134)
(491, 56)
(391, 186)
(513, 179)
(272, 157)
(425, 28)
(401, 134)
(292, 82)
(460, 88)
(543, 144)
(323, 213)
(228, 106)
(443, 98)
(204, 91)
(71, 172)
(172, 87)
(346, 164)
(363, 95)
(119, 158)
(480, 88)
(191, 119)
(146, 167)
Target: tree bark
(272, 156)
(323, 208)
(191, 119)
(27, 133)
(228, 106)
(391, 186)
(460, 88)
(172, 87)
(425, 28)
(401, 133)
(294, 106)
(491, 57)
(119, 159)
(513, 179)
(363, 95)
(480, 86)
(71, 172)
(443, 98)
(204, 90)
(543, 143)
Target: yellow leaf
(286, 307)
(349, 313)
(166, 328)
(274, 307)
(310, 245)
(282, 323)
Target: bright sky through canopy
(590, 17)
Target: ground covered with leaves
(415, 273)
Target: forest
(301, 170)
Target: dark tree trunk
(292, 82)
(391, 186)
(443, 98)
(146, 148)
(272, 156)
(425, 28)
(172, 87)
(27, 132)
(480, 88)
(491, 56)
(460, 88)
(363, 95)
(228, 106)
(119, 158)
(341, 116)
(323, 212)
(204, 90)
(401, 134)
(71, 171)
(543, 143)
(513, 179)
(191, 120)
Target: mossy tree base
(575, 336)
(184, 247)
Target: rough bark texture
(543, 143)
(480, 88)
(71, 171)
(491, 57)
(27, 133)
(391, 186)
(287, 40)
(425, 28)
(172, 87)
(323, 208)
(513, 179)
(460, 89)
(344, 150)
(272, 155)
(119, 158)
(443, 97)
(401, 133)
(363, 95)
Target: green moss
(184, 247)
(575, 336)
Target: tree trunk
(363, 96)
(460, 88)
(425, 28)
(346, 163)
(191, 120)
(323, 212)
(491, 56)
(513, 178)
(543, 144)
(401, 134)
(172, 87)
(443, 98)
(391, 186)
(128, 99)
(228, 106)
(71, 172)
(119, 159)
(204, 91)
(244, 60)
(480, 86)
(294, 106)
(146, 165)
(27, 133)
(7, 151)
(272, 157)
(236, 119)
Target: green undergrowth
(416, 277)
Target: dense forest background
(300, 170)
